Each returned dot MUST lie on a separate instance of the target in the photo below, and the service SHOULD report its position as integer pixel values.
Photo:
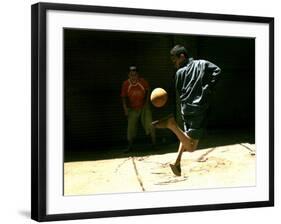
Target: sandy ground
(223, 166)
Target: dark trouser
(134, 116)
(194, 125)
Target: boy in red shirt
(135, 98)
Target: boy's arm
(147, 90)
(124, 104)
(147, 95)
(124, 98)
(213, 73)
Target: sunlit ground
(217, 166)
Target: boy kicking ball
(194, 82)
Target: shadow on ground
(211, 139)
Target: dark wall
(234, 100)
(96, 64)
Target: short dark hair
(178, 50)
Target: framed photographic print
(140, 111)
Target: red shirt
(136, 93)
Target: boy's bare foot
(176, 169)
(165, 122)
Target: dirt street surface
(223, 166)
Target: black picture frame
(39, 122)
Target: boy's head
(178, 55)
(133, 74)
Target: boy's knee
(191, 146)
(194, 144)
(187, 146)
(190, 149)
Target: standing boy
(135, 100)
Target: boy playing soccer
(194, 82)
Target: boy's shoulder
(143, 82)
(198, 63)
(191, 64)
(125, 83)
